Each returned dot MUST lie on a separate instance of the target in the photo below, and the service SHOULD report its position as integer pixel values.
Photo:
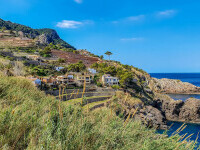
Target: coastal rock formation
(151, 117)
(147, 114)
(172, 86)
(188, 111)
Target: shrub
(78, 67)
(61, 60)
(115, 86)
(99, 84)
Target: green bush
(61, 60)
(77, 67)
(115, 86)
(99, 84)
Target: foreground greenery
(31, 120)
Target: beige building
(81, 77)
(109, 80)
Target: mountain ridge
(46, 35)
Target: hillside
(31, 120)
(71, 57)
(44, 36)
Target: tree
(108, 53)
(61, 60)
(3, 29)
(77, 67)
(46, 52)
(101, 57)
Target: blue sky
(157, 36)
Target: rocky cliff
(172, 86)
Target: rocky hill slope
(44, 36)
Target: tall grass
(31, 120)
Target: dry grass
(31, 120)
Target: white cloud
(130, 19)
(166, 13)
(69, 24)
(132, 39)
(78, 1)
(142, 17)
(135, 18)
(73, 24)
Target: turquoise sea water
(193, 78)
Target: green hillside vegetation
(125, 73)
(31, 120)
(33, 33)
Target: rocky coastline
(171, 86)
(164, 108)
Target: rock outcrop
(188, 111)
(147, 114)
(160, 110)
(151, 117)
(43, 39)
(172, 86)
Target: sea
(193, 78)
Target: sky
(157, 36)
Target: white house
(59, 68)
(109, 80)
(70, 76)
(93, 71)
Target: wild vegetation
(31, 120)
(123, 72)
